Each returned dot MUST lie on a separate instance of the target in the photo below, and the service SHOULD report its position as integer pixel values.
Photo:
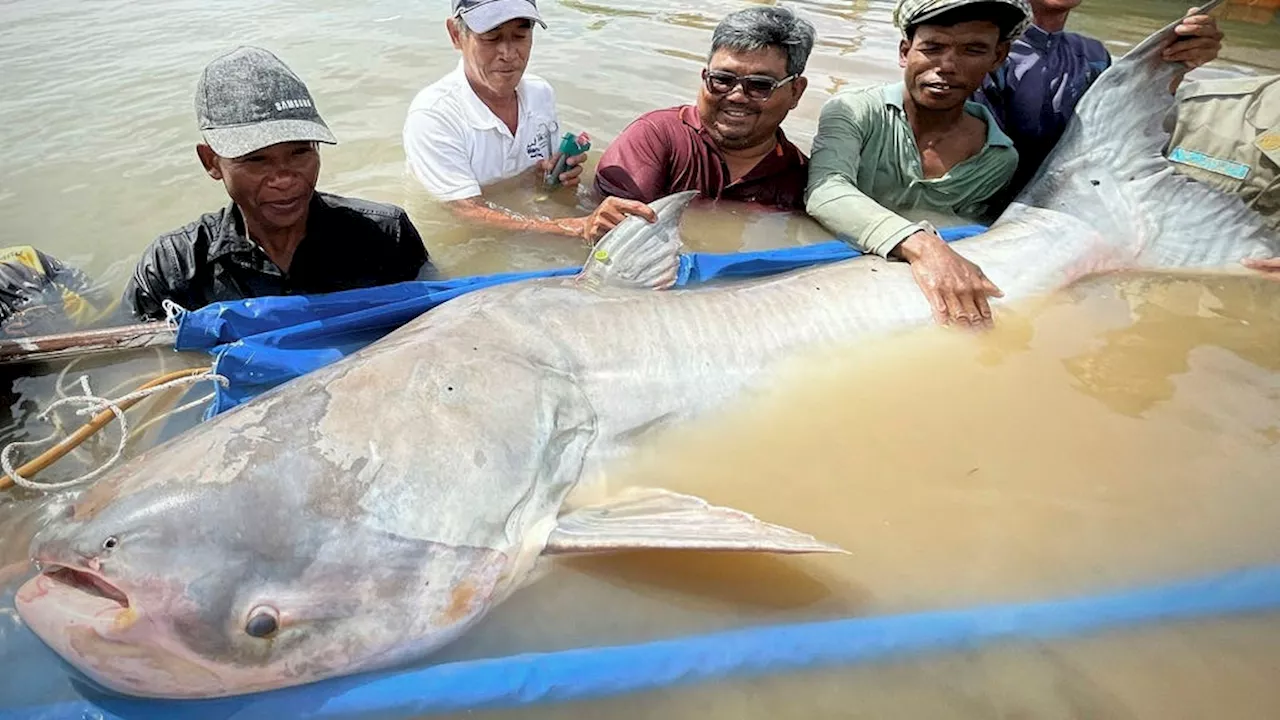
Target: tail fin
(1110, 164)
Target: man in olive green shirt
(886, 171)
(920, 147)
(1227, 135)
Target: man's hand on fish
(1269, 267)
(1199, 40)
(607, 216)
(957, 289)
(569, 178)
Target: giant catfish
(370, 512)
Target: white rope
(95, 405)
(61, 388)
(139, 379)
(194, 403)
(60, 384)
(23, 482)
(172, 313)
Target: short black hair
(1004, 16)
(766, 27)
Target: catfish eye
(110, 543)
(263, 622)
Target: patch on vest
(1269, 142)
(1236, 170)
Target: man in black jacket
(278, 236)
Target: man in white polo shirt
(488, 121)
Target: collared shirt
(1035, 93)
(866, 170)
(1227, 135)
(455, 145)
(348, 244)
(669, 151)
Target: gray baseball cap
(484, 15)
(248, 99)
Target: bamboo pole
(43, 348)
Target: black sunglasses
(755, 87)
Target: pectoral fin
(638, 254)
(652, 519)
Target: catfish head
(357, 518)
(224, 591)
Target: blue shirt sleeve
(1035, 93)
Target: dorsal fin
(640, 254)
(1110, 164)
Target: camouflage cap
(910, 13)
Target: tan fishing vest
(1227, 135)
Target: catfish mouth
(85, 582)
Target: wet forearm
(833, 197)
(477, 210)
(857, 218)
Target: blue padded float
(609, 671)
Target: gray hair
(764, 27)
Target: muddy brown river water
(1120, 433)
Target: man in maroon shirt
(730, 146)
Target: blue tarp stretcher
(261, 343)
(610, 671)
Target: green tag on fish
(1236, 170)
